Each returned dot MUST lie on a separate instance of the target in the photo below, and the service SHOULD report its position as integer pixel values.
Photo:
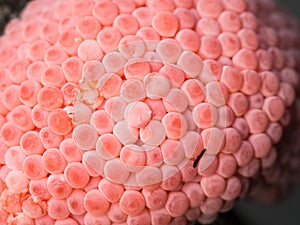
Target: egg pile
(142, 112)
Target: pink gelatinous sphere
(144, 111)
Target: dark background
(292, 5)
(285, 212)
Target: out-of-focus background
(292, 5)
(285, 212)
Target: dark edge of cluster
(10, 9)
